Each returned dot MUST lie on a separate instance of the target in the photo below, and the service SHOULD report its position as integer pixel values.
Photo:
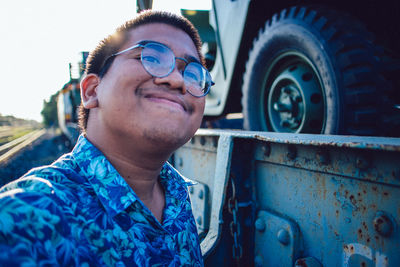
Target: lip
(165, 98)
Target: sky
(39, 38)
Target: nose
(174, 80)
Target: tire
(312, 70)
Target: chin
(167, 138)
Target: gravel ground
(42, 152)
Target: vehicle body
(69, 99)
(67, 109)
(347, 59)
(284, 199)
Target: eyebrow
(192, 59)
(188, 57)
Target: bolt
(323, 157)
(266, 149)
(260, 225)
(201, 194)
(199, 220)
(180, 162)
(215, 142)
(292, 153)
(258, 261)
(382, 224)
(283, 237)
(283, 105)
(191, 189)
(202, 140)
(362, 163)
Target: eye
(191, 77)
(151, 59)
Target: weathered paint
(341, 193)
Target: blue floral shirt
(80, 212)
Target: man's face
(133, 104)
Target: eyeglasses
(159, 61)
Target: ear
(89, 91)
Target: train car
(69, 99)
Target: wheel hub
(295, 101)
(289, 106)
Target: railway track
(10, 149)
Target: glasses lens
(158, 60)
(197, 79)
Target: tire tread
(351, 48)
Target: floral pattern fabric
(80, 212)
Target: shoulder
(30, 218)
(31, 198)
(35, 198)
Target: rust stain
(385, 261)
(301, 262)
(364, 209)
(353, 200)
(336, 234)
(365, 226)
(359, 233)
(348, 249)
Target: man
(114, 200)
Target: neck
(139, 167)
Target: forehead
(176, 39)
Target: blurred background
(41, 38)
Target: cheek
(198, 112)
(200, 105)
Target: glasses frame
(143, 44)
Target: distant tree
(49, 111)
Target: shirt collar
(113, 192)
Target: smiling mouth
(167, 102)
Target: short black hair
(96, 62)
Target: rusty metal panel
(341, 193)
